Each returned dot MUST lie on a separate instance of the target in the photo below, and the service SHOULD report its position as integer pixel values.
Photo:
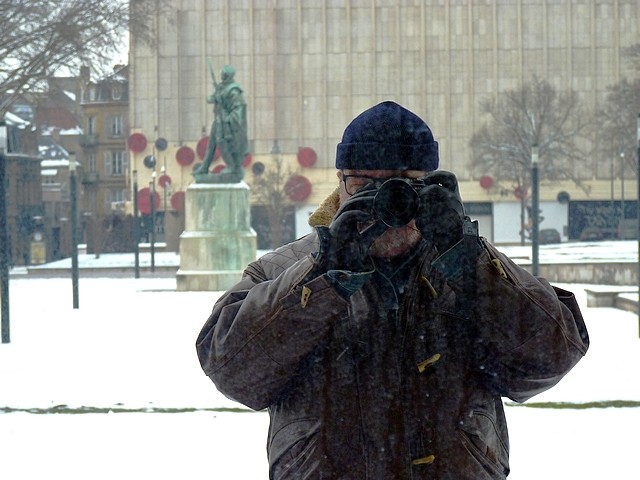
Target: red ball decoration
(218, 168)
(298, 188)
(185, 156)
(177, 201)
(144, 200)
(307, 156)
(164, 181)
(201, 147)
(247, 160)
(137, 142)
(519, 193)
(486, 182)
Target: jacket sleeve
(260, 330)
(527, 334)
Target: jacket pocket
(291, 450)
(482, 438)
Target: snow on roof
(72, 131)
(63, 162)
(14, 119)
(49, 172)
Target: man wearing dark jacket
(383, 342)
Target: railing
(90, 178)
(88, 140)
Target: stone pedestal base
(218, 241)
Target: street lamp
(622, 188)
(4, 238)
(136, 228)
(638, 213)
(535, 206)
(73, 187)
(152, 237)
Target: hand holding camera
(441, 213)
(433, 201)
(345, 246)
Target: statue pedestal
(218, 241)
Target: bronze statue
(228, 130)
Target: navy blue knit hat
(387, 137)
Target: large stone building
(307, 68)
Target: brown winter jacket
(357, 389)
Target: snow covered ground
(114, 390)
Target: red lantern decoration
(144, 200)
(297, 188)
(137, 142)
(486, 182)
(164, 181)
(185, 156)
(519, 193)
(218, 168)
(307, 156)
(177, 201)
(247, 160)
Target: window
(115, 163)
(91, 163)
(116, 92)
(91, 126)
(116, 126)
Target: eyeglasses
(353, 183)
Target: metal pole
(4, 239)
(535, 207)
(152, 238)
(613, 205)
(136, 228)
(73, 185)
(622, 216)
(638, 214)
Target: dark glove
(343, 246)
(441, 212)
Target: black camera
(396, 202)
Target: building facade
(307, 68)
(104, 158)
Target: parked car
(627, 229)
(594, 234)
(549, 235)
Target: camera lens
(396, 202)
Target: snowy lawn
(130, 348)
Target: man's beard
(395, 241)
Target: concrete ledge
(206, 280)
(103, 272)
(624, 302)
(596, 273)
(606, 296)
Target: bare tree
(269, 190)
(632, 53)
(41, 37)
(618, 117)
(519, 119)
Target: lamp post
(621, 188)
(164, 186)
(4, 238)
(638, 213)
(152, 236)
(136, 228)
(73, 187)
(613, 205)
(535, 206)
